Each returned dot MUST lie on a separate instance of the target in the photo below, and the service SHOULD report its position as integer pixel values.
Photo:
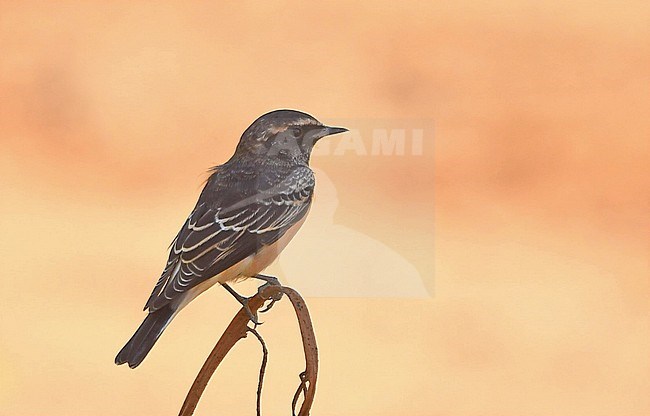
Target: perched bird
(249, 209)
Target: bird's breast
(267, 254)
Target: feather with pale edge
(217, 236)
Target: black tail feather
(145, 337)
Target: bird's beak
(328, 131)
(334, 130)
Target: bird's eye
(296, 132)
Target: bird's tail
(145, 337)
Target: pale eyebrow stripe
(299, 122)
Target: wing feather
(217, 236)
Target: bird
(249, 209)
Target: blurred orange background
(536, 250)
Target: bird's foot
(274, 289)
(252, 316)
(244, 302)
(271, 280)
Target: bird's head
(283, 135)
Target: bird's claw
(269, 306)
(273, 292)
(252, 316)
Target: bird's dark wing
(218, 235)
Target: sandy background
(535, 251)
